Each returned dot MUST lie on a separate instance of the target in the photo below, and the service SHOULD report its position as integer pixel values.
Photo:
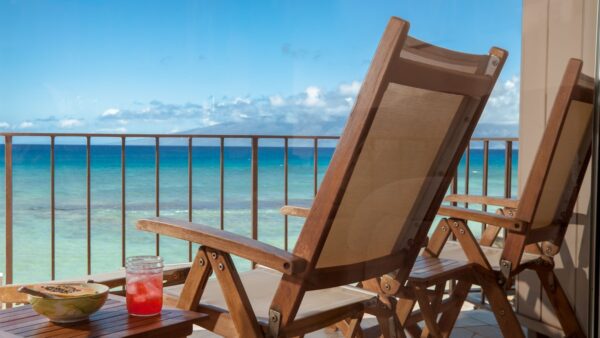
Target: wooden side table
(111, 320)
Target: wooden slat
(289, 210)
(483, 217)
(172, 273)
(113, 319)
(441, 269)
(40, 324)
(416, 74)
(487, 200)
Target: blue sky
(289, 67)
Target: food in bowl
(67, 303)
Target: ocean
(31, 199)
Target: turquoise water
(31, 198)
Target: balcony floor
(471, 323)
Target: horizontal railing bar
(492, 139)
(215, 136)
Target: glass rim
(145, 262)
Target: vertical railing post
(52, 210)
(254, 174)
(454, 186)
(454, 191)
(190, 191)
(484, 191)
(8, 176)
(123, 204)
(316, 165)
(285, 190)
(508, 170)
(88, 204)
(507, 173)
(222, 183)
(157, 186)
(484, 187)
(467, 170)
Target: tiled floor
(470, 323)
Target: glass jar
(144, 285)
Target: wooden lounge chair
(412, 120)
(536, 224)
(390, 285)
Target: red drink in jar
(144, 287)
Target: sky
(265, 67)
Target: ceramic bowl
(70, 309)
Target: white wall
(553, 32)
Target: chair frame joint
(274, 323)
(492, 65)
(505, 268)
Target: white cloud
(26, 124)
(240, 100)
(503, 104)
(312, 111)
(4, 125)
(111, 112)
(276, 101)
(313, 97)
(70, 123)
(501, 114)
(113, 130)
(351, 88)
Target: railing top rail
(494, 139)
(217, 136)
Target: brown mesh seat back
(410, 128)
(392, 165)
(562, 158)
(396, 163)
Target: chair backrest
(413, 117)
(562, 158)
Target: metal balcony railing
(254, 164)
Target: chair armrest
(290, 210)
(487, 200)
(235, 244)
(509, 223)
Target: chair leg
(502, 309)
(195, 282)
(354, 330)
(237, 301)
(429, 315)
(388, 327)
(404, 308)
(403, 311)
(448, 318)
(562, 307)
